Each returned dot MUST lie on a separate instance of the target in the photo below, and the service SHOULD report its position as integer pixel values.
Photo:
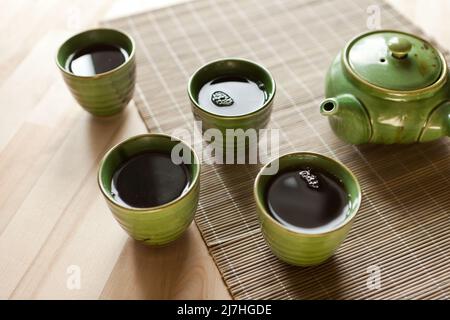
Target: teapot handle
(438, 124)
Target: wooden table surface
(57, 238)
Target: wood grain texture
(52, 215)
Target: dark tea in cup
(307, 199)
(307, 208)
(95, 59)
(99, 67)
(149, 179)
(232, 95)
(151, 183)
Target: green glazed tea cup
(301, 248)
(159, 225)
(103, 94)
(231, 67)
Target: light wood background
(53, 220)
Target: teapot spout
(329, 107)
(348, 118)
(438, 124)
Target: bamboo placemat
(402, 233)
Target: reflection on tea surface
(232, 96)
(95, 59)
(307, 200)
(149, 179)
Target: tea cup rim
(103, 74)
(111, 200)
(243, 116)
(348, 219)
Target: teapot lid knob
(399, 47)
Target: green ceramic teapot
(388, 87)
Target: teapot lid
(394, 60)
